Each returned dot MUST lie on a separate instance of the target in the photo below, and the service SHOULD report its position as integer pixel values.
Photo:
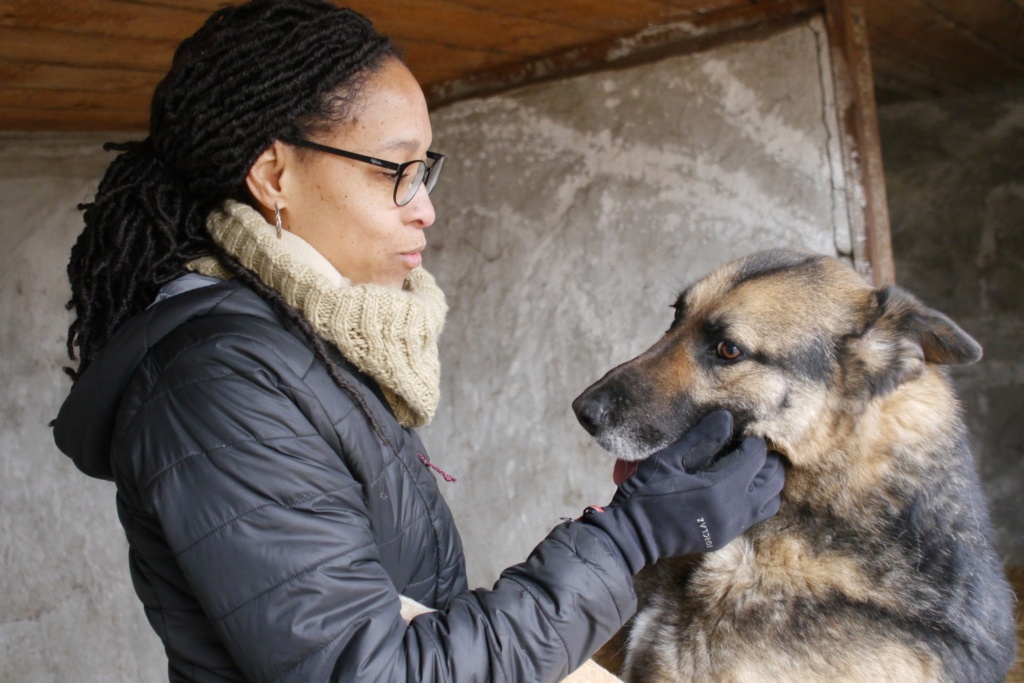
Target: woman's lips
(412, 258)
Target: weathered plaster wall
(955, 175)
(67, 611)
(570, 216)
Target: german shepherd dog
(879, 565)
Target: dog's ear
(901, 335)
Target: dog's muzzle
(597, 407)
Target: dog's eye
(726, 350)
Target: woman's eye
(726, 350)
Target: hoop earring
(277, 219)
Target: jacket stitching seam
(207, 451)
(400, 533)
(543, 615)
(287, 505)
(396, 457)
(417, 583)
(288, 579)
(213, 337)
(592, 567)
(327, 643)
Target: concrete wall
(67, 609)
(570, 216)
(955, 175)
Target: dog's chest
(790, 558)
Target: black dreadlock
(252, 74)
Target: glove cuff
(620, 532)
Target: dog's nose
(592, 409)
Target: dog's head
(787, 341)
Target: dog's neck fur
(842, 460)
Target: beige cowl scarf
(389, 334)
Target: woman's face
(344, 208)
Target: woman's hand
(684, 500)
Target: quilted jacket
(271, 529)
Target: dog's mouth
(624, 469)
(627, 467)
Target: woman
(258, 341)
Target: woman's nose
(421, 209)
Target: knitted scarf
(389, 334)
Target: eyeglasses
(408, 176)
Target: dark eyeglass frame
(431, 171)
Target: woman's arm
(271, 534)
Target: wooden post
(861, 145)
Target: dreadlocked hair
(252, 74)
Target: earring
(277, 219)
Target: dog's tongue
(624, 470)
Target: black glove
(682, 500)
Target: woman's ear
(264, 180)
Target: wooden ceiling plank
(59, 77)
(622, 16)
(70, 121)
(423, 57)
(998, 23)
(702, 7)
(689, 35)
(206, 7)
(740, 15)
(55, 47)
(73, 100)
(458, 25)
(103, 18)
(946, 44)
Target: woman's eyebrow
(402, 145)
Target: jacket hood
(85, 424)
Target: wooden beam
(457, 24)
(112, 18)
(58, 47)
(430, 61)
(860, 141)
(69, 121)
(74, 100)
(58, 77)
(654, 42)
(621, 16)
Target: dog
(879, 565)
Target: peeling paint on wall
(570, 216)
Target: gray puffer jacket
(271, 529)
